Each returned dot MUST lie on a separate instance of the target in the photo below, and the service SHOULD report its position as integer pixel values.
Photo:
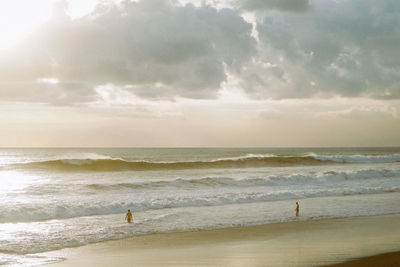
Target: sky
(225, 73)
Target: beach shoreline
(302, 243)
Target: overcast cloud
(344, 48)
(158, 49)
(283, 5)
(152, 46)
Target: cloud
(368, 113)
(350, 109)
(340, 48)
(153, 44)
(283, 5)
(163, 50)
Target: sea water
(56, 198)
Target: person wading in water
(128, 216)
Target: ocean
(56, 198)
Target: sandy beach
(309, 243)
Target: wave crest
(389, 158)
(108, 164)
(123, 165)
(327, 178)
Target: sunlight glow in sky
(17, 22)
(199, 73)
(18, 18)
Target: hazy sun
(20, 17)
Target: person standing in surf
(297, 209)
(128, 216)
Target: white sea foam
(34, 237)
(389, 158)
(209, 192)
(247, 156)
(329, 178)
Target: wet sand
(387, 259)
(310, 243)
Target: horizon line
(183, 147)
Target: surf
(110, 165)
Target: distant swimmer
(297, 209)
(128, 216)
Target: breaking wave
(123, 165)
(247, 161)
(327, 178)
(389, 158)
